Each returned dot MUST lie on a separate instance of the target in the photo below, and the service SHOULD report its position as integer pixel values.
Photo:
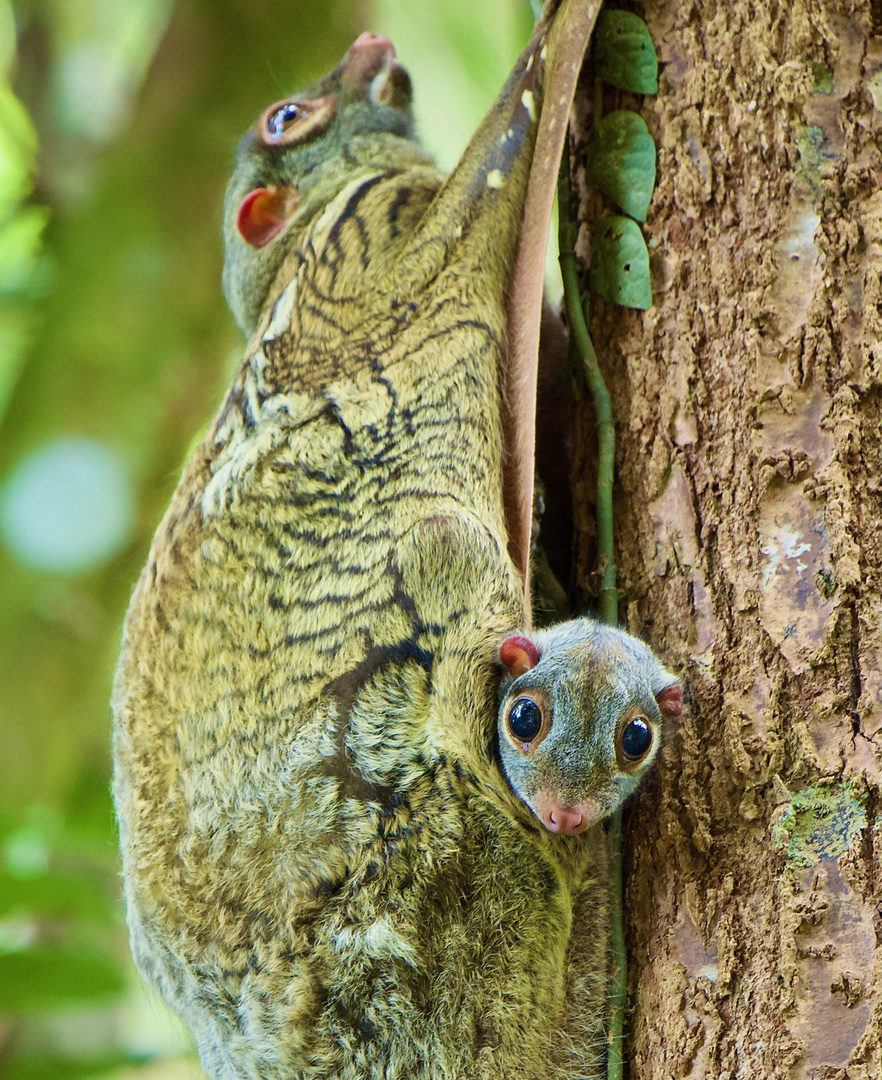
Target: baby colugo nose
(557, 819)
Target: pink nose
(372, 41)
(567, 822)
(368, 55)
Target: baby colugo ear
(670, 701)
(518, 654)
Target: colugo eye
(525, 719)
(295, 121)
(279, 121)
(636, 738)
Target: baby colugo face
(580, 715)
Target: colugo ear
(670, 700)
(518, 654)
(264, 213)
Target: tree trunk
(750, 544)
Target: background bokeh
(118, 120)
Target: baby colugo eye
(525, 719)
(636, 739)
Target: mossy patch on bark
(820, 823)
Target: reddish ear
(669, 701)
(264, 212)
(518, 654)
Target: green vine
(621, 164)
(606, 438)
(609, 595)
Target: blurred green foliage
(118, 122)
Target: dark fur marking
(401, 200)
(351, 206)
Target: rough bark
(750, 544)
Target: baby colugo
(580, 715)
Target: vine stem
(578, 317)
(606, 437)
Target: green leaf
(20, 239)
(620, 263)
(624, 52)
(18, 145)
(621, 161)
(46, 978)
